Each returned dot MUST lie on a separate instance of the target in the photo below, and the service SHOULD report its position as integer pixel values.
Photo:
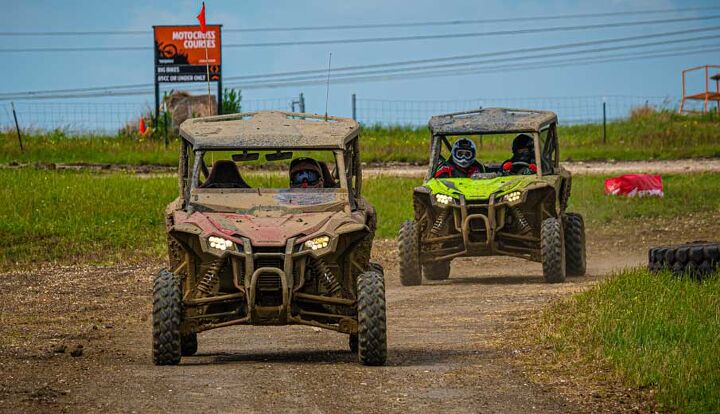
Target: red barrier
(632, 185)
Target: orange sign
(182, 53)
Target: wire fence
(101, 117)
(570, 110)
(109, 118)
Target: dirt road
(689, 166)
(685, 166)
(448, 343)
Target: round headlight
(512, 197)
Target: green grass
(63, 215)
(653, 136)
(656, 330)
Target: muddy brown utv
(269, 253)
(516, 209)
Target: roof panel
(491, 120)
(269, 130)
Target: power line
(456, 22)
(497, 69)
(387, 67)
(354, 78)
(510, 58)
(382, 39)
(471, 34)
(455, 58)
(458, 58)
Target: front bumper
(268, 282)
(479, 229)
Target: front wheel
(167, 315)
(372, 330)
(409, 249)
(552, 245)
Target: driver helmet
(305, 173)
(463, 152)
(523, 148)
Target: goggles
(463, 153)
(309, 176)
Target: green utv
(507, 209)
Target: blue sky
(656, 77)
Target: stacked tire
(695, 259)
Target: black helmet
(523, 141)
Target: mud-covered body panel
(269, 256)
(496, 213)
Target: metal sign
(182, 53)
(186, 54)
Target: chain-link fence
(570, 110)
(108, 118)
(102, 117)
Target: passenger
(523, 158)
(306, 173)
(462, 163)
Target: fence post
(604, 122)
(302, 102)
(17, 127)
(165, 127)
(354, 107)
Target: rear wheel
(372, 330)
(553, 250)
(575, 256)
(409, 249)
(436, 271)
(167, 314)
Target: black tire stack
(695, 259)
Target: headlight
(220, 243)
(443, 199)
(512, 197)
(317, 243)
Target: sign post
(186, 54)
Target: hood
(480, 189)
(262, 231)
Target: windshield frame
(191, 185)
(438, 140)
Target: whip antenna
(327, 87)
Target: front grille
(275, 262)
(269, 281)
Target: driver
(306, 173)
(523, 158)
(462, 163)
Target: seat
(224, 174)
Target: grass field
(651, 136)
(656, 330)
(104, 217)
